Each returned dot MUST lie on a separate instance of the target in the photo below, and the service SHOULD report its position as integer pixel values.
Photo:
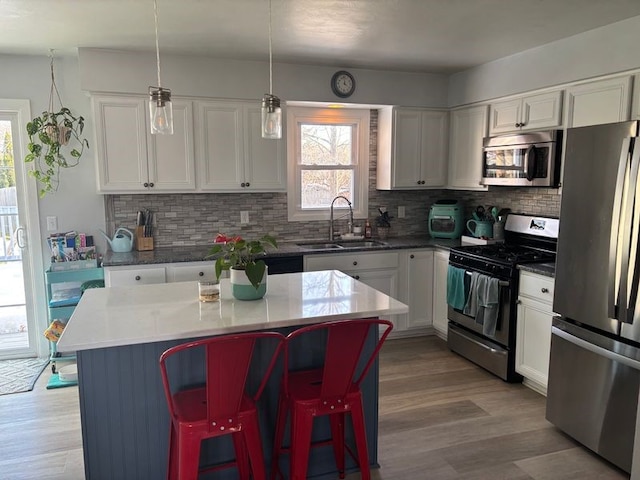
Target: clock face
(343, 84)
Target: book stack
(72, 250)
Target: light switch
(52, 224)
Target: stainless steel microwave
(524, 159)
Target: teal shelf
(65, 312)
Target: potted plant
(239, 256)
(48, 134)
(383, 223)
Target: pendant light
(160, 108)
(271, 111)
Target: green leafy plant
(50, 134)
(237, 253)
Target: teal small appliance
(446, 219)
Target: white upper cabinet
(635, 108)
(412, 149)
(469, 126)
(601, 101)
(531, 112)
(232, 156)
(130, 159)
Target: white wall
(134, 72)
(609, 49)
(76, 203)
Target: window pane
(319, 187)
(325, 144)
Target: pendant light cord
(155, 14)
(270, 55)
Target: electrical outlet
(401, 212)
(52, 224)
(244, 217)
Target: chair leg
(360, 433)
(253, 441)
(281, 423)
(242, 458)
(301, 426)
(188, 456)
(172, 467)
(337, 439)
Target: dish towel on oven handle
(456, 294)
(483, 301)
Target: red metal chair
(221, 407)
(333, 390)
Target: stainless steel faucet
(331, 216)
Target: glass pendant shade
(271, 117)
(160, 111)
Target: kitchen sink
(361, 244)
(319, 246)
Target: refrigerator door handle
(632, 258)
(614, 274)
(598, 350)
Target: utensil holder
(143, 243)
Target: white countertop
(111, 317)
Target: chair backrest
(345, 341)
(228, 360)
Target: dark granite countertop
(546, 269)
(197, 253)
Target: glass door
(21, 278)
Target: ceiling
(440, 36)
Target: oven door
(525, 165)
(503, 328)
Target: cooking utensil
(494, 213)
(502, 214)
(479, 214)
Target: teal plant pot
(241, 287)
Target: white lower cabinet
(440, 267)
(533, 338)
(379, 270)
(126, 276)
(416, 288)
(134, 275)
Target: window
(328, 155)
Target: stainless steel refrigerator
(594, 371)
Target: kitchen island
(120, 333)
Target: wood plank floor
(441, 418)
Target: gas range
(498, 259)
(527, 239)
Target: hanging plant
(48, 134)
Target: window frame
(359, 118)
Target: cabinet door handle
(412, 256)
(201, 274)
(518, 302)
(145, 184)
(151, 184)
(355, 263)
(137, 277)
(248, 184)
(242, 185)
(357, 277)
(544, 290)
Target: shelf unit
(63, 313)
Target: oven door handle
(501, 283)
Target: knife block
(143, 243)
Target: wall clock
(343, 84)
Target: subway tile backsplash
(195, 219)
